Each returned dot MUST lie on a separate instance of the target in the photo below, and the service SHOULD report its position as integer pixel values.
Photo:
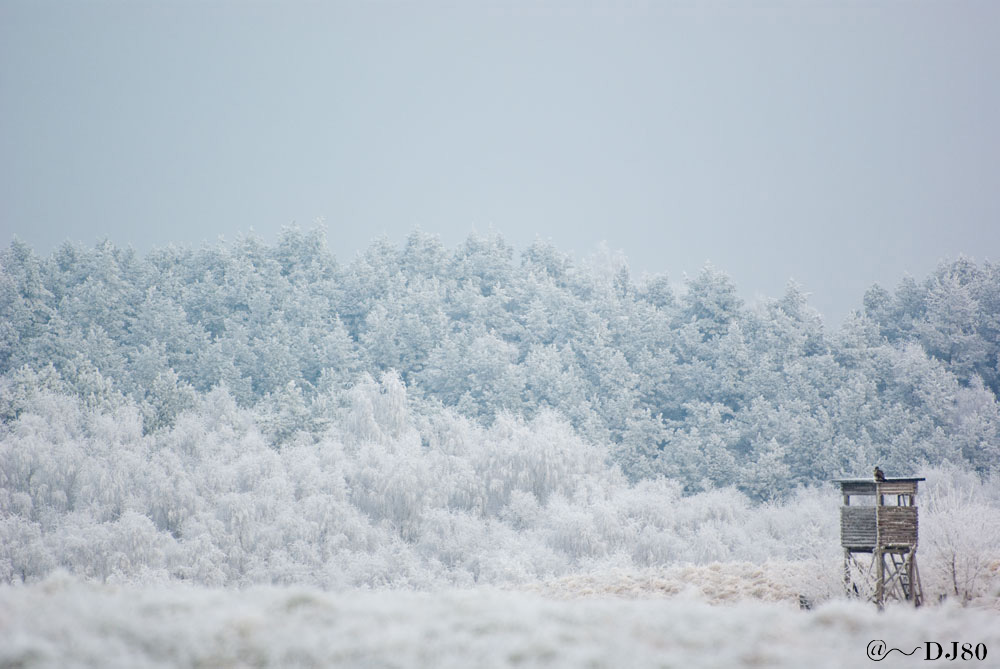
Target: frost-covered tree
(695, 385)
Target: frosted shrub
(377, 412)
(806, 527)
(391, 487)
(960, 534)
(617, 531)
(542, 457)
(24, 553)
(652, 502)
(656, 547)
(172, 496)
(523, 511)
(570, 529)
(316, 469)
(455, 539)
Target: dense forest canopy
(691, 384)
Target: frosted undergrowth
(716, 583)
(65, 622)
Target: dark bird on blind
(879, 476)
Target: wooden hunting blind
(879, 536)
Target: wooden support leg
(879, 579)
(847, 572)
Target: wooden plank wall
(858, 487)
(897, 488)
(884, 487)
(857, 526)
(897, 525)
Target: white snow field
(66, 622)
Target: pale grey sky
(838, 143)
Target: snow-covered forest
(424, 417)
(688, 383)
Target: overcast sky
(837, 143)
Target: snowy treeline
(690, 384)
(388, 497)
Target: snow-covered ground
(65, 622)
